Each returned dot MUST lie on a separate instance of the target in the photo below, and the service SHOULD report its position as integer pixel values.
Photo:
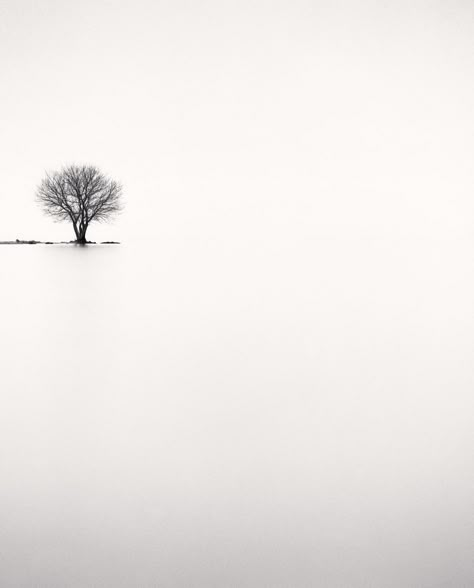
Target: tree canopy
(80, 194)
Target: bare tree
(80, 194)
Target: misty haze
(269, 382)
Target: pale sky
(244, 118)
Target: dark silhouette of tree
(80, 194)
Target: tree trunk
(81, 235)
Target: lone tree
(80, 194)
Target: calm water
(220, 415)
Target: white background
(269, 383)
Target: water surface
(206, 413)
